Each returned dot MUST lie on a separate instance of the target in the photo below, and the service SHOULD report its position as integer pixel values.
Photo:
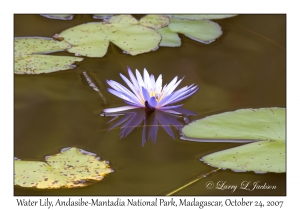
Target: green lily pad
(204, 31)
(155, 21)
(71, 168)
(136, 39)
(264, 124)
(169, 38)
(59, 17)
(244, 124)
(92, 39)
(261, 157)
(200, 17)
(37, 64)
(89, 39)
(30, 45)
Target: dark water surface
(246, 67)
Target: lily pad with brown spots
(71, 168)
(132, 36)
(28, 58)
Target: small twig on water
(94, 86)
(192, 182)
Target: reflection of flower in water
(150, 120)
(148, 93)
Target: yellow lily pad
(71, 168)
(123, 19)
(37, 64)
(28, 60)
(155, 21)
(30, 45)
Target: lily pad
(37, 64)
(204, 31)
(59, 17)
(155, 21)
(136, 39)
(89, 39)
(200, 17)
(244, 124)
(123, 19)
(30, 45)
(71, 168)
(264, 124)
(260, 157)
(92, 39)
(169, 38)
(27, 60)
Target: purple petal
(120, 88)
(133, 104)
(139, 79)
(185, 95)
(124, 96)
(179, 95)
(169, 107)
(133, 79)
(145, 94)
(152, 102)
(130, 85)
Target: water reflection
(150, 121)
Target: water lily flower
(148, 93)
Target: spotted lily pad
(260, 157)
(136, 39)
(71, 168)
(89, 39)
(92, 39)
(123, 19)
(155, 21)
(59, 17)
(204, 31)
(30, 45)
(28, 60)
(266, 126)
(200, 17)
(37, 64)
